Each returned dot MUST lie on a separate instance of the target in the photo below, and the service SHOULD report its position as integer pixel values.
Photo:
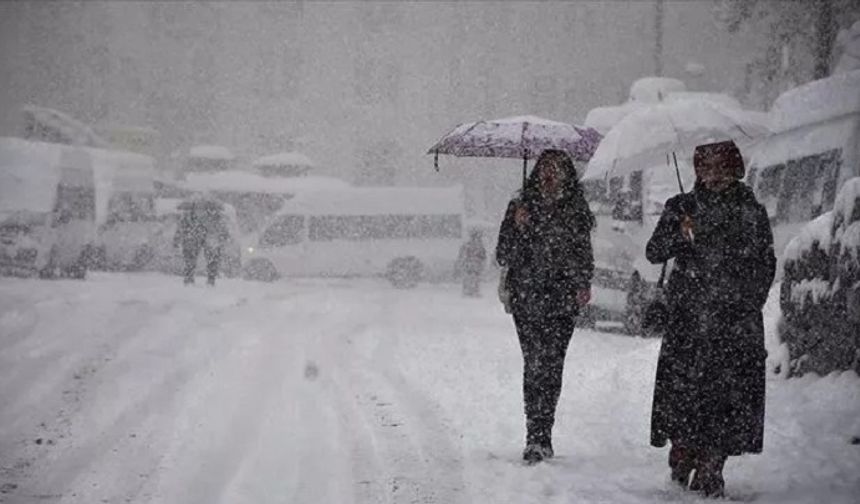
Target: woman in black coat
(709, 394)
(545, 242)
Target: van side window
(287, 230)
(808, 186)
(768, 187)
(75, 202)
(384, 227)
(131, 207)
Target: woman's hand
(687, 228)
(583, 296)
(521, 216)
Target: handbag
(656, 315)
(504, 293)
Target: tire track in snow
(92, 446)
(418, 459)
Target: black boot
(538, 441)
(682, 461)
(708, 479)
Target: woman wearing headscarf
(709, 394)
(545, 244)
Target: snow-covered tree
(801, 35)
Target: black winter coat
(710, 386)
(550, 258)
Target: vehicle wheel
(77, 271)
(404, 272)
(260, 270)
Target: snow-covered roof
(71, 131)
(654, 89)
(211, 152)
(817, 229)
(604, 118)
(378, 201)
(241, 181)
(817, 101)
(285, 159)
(797, 143)
(719, 99)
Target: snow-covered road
(134, 389)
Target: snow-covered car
(405, 234)
(47, 209)
(813, 149)
(627, 210)
(167, 258)
(820, 290)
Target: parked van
(404, 234)
(627, 209)
(47, 208)
(126, 218)
(813, 149)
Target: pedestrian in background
(201, 227)
(471, 262)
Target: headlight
(250, 250)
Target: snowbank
(817, 101)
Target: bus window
(808, 187)
(287, 230)
(75, 203)
(769, 187)
(131, 207)
(384, 227)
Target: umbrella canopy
(647, 136)
(523, 137)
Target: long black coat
(550, 258)
(710, 387)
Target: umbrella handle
(525, 166)
(677, 171)
(436, 160)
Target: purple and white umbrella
(523, 137)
